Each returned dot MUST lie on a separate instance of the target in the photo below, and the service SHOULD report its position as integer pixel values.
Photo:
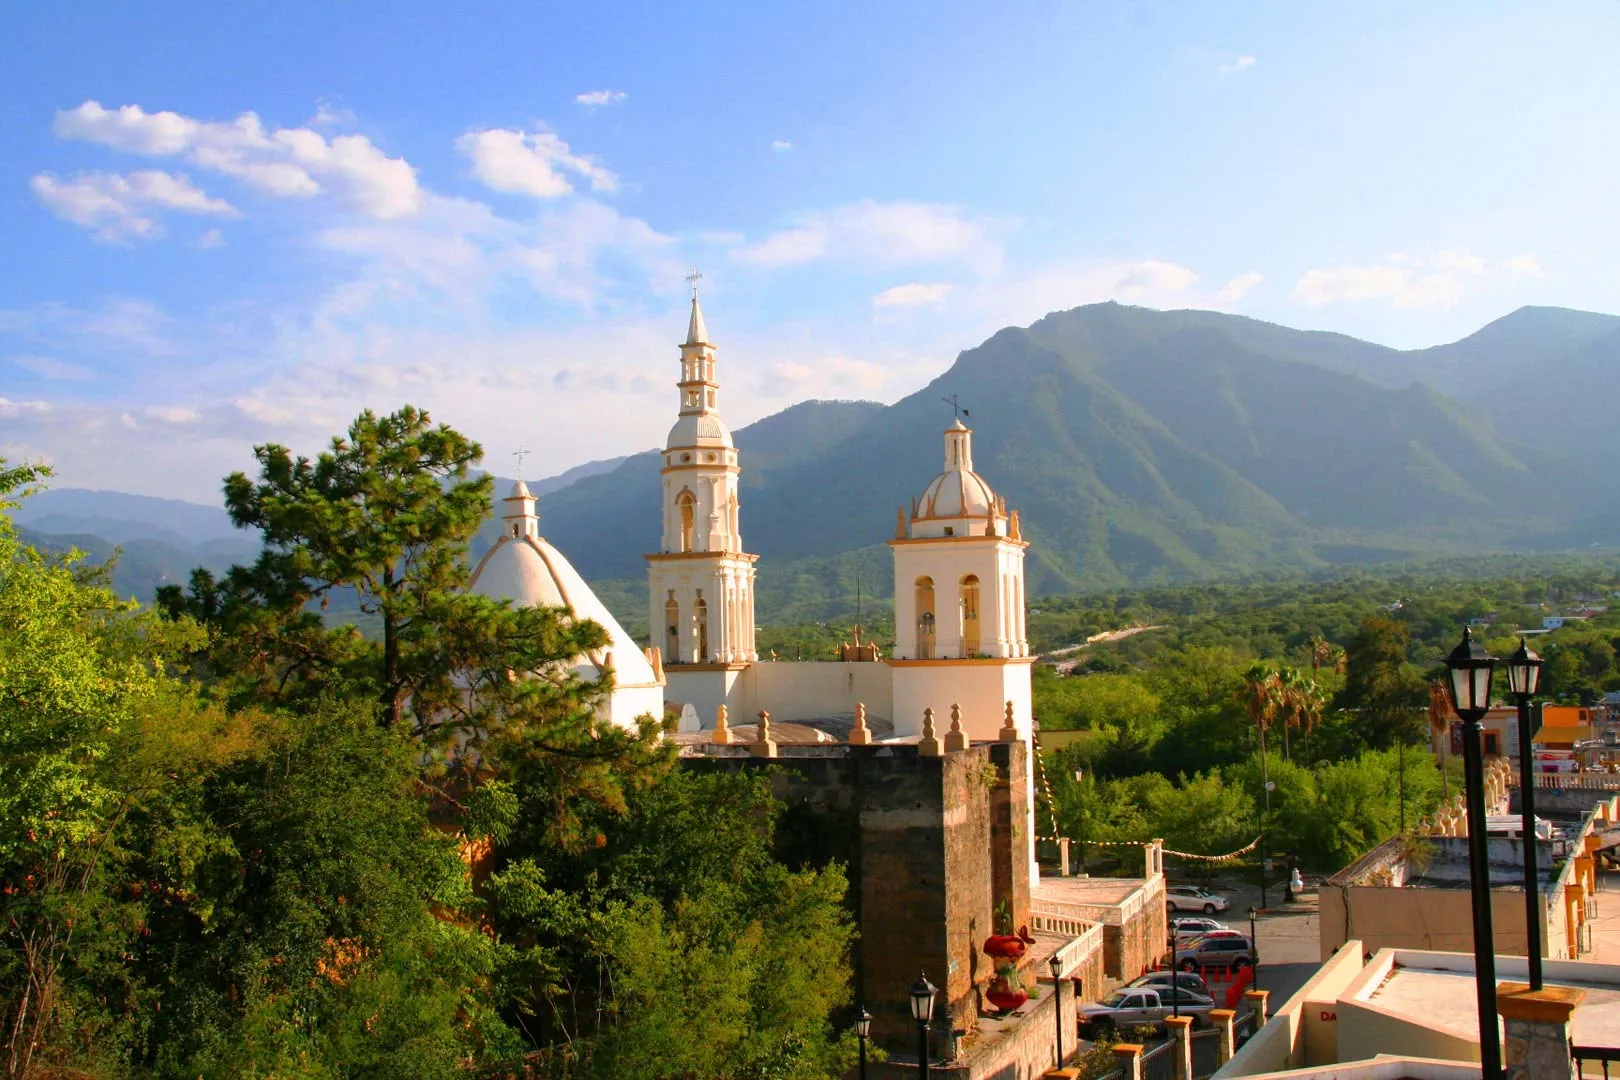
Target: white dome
(531, 573)
(956, 493)
(699, 429)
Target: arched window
(688, 506)
(700, 621)
(970, 615)
(924, 597)
(672, 631)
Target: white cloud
(120, 207)
(781, 146)
(815, 376)
(1409, 281)
(595, 99)
(1242, 63)
(213, 238)
(1238, 287)
(287, 162)
(883, 233)
(329, 115)
(530, 163)
(912, 295)
(171, 414)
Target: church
(915, 770)
(961, 646)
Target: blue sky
(229, 224)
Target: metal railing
(1597, 1055)
(1206, 1053)
(1159, 1063)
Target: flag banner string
(1051, 811)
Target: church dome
(528, 571)
(699, 429)
(958, 502)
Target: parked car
(1190, 981)
(1194, 898)
(1188, 927)
(1130, 1007)
(1229, 950)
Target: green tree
(1387, 694)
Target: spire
(958, 447)
(696, 332)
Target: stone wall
(931, 844)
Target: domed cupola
(958, 502)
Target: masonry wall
(921, 841)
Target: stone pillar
(721, 734)
(1221, 1020)
(1128, 1060)
(1537, 1023)
(763, 745)
(860, 734)
(1009, 823)
(1061, 1074)
(1179, 1029)
(928, 745)
(956, 738)
(1258, 1001)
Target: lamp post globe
(922, 1010)
(1469, 668)
(1524, 680)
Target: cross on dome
(520, 453)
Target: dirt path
(1066, 666)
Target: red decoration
(1005, 1000)
(1005, 946)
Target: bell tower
(700, 581)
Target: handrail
(1600, 1054)
(1080, 948)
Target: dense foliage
(1320, 687)
(238, 841)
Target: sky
(232, 224)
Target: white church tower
(701, 581)
(960, 637)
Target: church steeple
(701, 579)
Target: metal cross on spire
(956, 407)
(520, 453)
(692, 278)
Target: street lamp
(1524, 679)
(1469, 669)
(863, 1028)
(922, 1010)
(1254, 947)
(1056, 964)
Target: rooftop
(1445, 999)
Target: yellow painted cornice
(676, 556)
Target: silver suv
(1226, 951)
(1194, 898)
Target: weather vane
(692, 278)
(956, 407)
(520, 453)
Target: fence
(1206, 1053)
(1159, 1063)
(1581, 781)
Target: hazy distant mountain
(1146, 446)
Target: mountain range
(1139, 446)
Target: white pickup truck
(1130, 1007)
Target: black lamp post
(863, 1028)
(1254, 946)
(1056, 964)
(922, 1010)
(1469, 668)
(1524, 679)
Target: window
(687, 503)
(923, 596)
(672, 633)
(700, 619)
(970, 615)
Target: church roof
(699, 429)
(528, 571)
(958, 491)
